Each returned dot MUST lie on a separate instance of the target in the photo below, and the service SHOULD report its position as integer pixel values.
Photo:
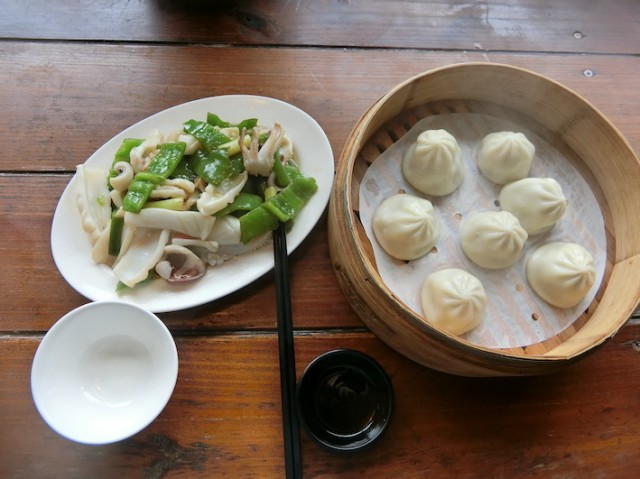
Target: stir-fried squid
(172, 205)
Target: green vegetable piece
(288, 203)
(249, 124)
(232, 147)
(115, 234)
(215, 120)
(270, 192)
(256, 222)
(183, 170)
(124, 151)
(255, 185)
(160, 168)
(176, 204)
(285, 173)
(292, 171)
(150, 177)
(123, 288)
(284, 206)
(137, 195)
(304, 186)
(281, 207)
(242, 202)
(210, 137)
(237, 165)
(167, 159)
(282, 175)
(213, 166)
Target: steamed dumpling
(561, 273)
(454, 300)
(492, 239)
(432, 165)
(505, 156)
(406, 226)
(538, 203)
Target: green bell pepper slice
(212, 166)
(137, 195)
(288, 203)
(150, 177)
(122, 154)
(115, 234)
(237, 165)
(285, 173)
(255, 223)
(282, 175)
(210, 137)
(167, 159)
(125, 148)
(243, 202)
(160, 168)
(175, 204)
(279, 208)
(183, 171)
(215, 120)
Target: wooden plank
(69, 99)
(523, 25)
(74, 76)
(224, 418)
(74, 103)
(36, 295)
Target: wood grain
(69, 99)
(74, 74)
(35, 300)
(225, 421)
(521, 25)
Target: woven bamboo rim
(557, 114)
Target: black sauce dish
(345, 400)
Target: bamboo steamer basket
(603, 157)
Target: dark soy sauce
(346, 401)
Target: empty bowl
(345, 399)
(104, 372)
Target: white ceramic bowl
(103, 372)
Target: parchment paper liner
(515, 316)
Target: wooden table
(74, 74)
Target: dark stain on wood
(171, 456)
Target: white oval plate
(71, 248)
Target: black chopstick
(292, 450)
